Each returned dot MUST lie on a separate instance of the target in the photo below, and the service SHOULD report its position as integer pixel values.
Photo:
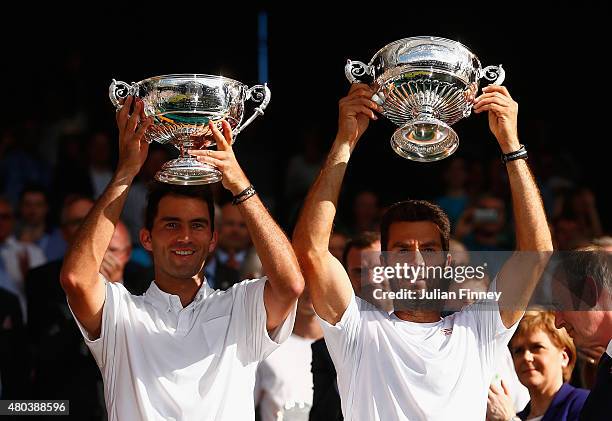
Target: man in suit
(583, 293)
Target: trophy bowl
(182, 106)
(424, 85)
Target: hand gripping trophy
(182, 105)
(424, 85)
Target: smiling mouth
(183, 252)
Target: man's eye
(171, 225)
(197, 226)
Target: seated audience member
(544, 358)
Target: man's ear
(145, 239)
(213, 242)
(590, 293)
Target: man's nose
(184, 234)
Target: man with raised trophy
(181, 351)
(412, 364)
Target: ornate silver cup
(182, 105)
(424, 84)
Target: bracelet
(244, 195)
(518, 154)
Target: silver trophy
(182, 105)
(424, 85)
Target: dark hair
(591, 261)
(360, 241)
(157, 191)
(415, 211)
(33, 188)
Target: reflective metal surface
(424, 84)
(182, 106)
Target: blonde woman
(544, 358)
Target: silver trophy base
(425, 140)
(188, 172)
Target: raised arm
(328, 282)
(285, 282)
(520, 274)
(79, 276)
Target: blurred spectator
(337, 243)
(284, 379)
(366, 212)
(455, 200)
(16, 258)
(568, 234)
(578, 205)
(33, 226)
(483, 226)
(234, 243)
(544, 358)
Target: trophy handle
(494, 74)
(118, 91)
(258, 93)
(353, 70)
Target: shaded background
(59, 70)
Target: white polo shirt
(160, 361)
(391, 369)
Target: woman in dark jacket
(544, 358)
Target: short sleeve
(250, 306)
(342, 338)
(493, 336)
(103, 347)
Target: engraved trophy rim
(195, 76)
(394, 69)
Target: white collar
(167, 302)
(609, 350)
